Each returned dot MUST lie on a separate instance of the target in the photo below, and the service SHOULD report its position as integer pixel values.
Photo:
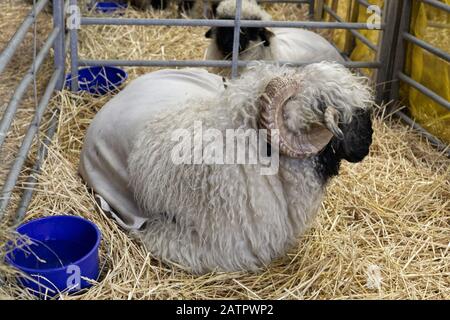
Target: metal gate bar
(437, 4)
(355, 33)
(55, 39)
(236, 35)
(11, 109)
(388, 29)
(27, 142)
(235, 62)
(32, 179)
(224, 23)
(210, 63)
(405, 38)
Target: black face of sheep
(357, 137)
(224, 38)
(353, 146)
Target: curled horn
(292, 144)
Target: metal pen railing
(55, 40)
(399, 75)
(234, 64)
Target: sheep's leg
(165, 239)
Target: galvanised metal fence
(236, 23)
(388, 65)
(55, 39)
(398, 75)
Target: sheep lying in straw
(209, 215)
(281, 44)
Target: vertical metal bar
(350, 40)
(311, 8)
(391, 15)
(58, 47)
(74, 46)
(401, 49)
(319, 10)
(237, 31)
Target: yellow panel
(361, 51)
(432, 25)
(429, 24)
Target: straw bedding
(383, 230)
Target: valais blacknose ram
(209, 215)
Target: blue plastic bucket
(63, 253)
(99, 80)
(109, 7)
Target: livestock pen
(383, 230)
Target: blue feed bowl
(109, 7)
(63, 253)
(98, 80)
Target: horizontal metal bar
(209, 63)
(421, 88)
(13, 175)
(16, 40)
(355, 33)
(430, 137)
(364, 3)
(223, 23)
(438, 4)
(32, 179)
(20, 90)
(425, 45)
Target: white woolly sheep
(279, 44)
(225, 216)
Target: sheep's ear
(209, 34)
(331, 119)
(265, 35)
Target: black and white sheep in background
(279, 44)
(225, 216)
(183, 5)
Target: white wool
(287, 44)
(207, 217)
(250, 10)
(230, 217)
(116, 127)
